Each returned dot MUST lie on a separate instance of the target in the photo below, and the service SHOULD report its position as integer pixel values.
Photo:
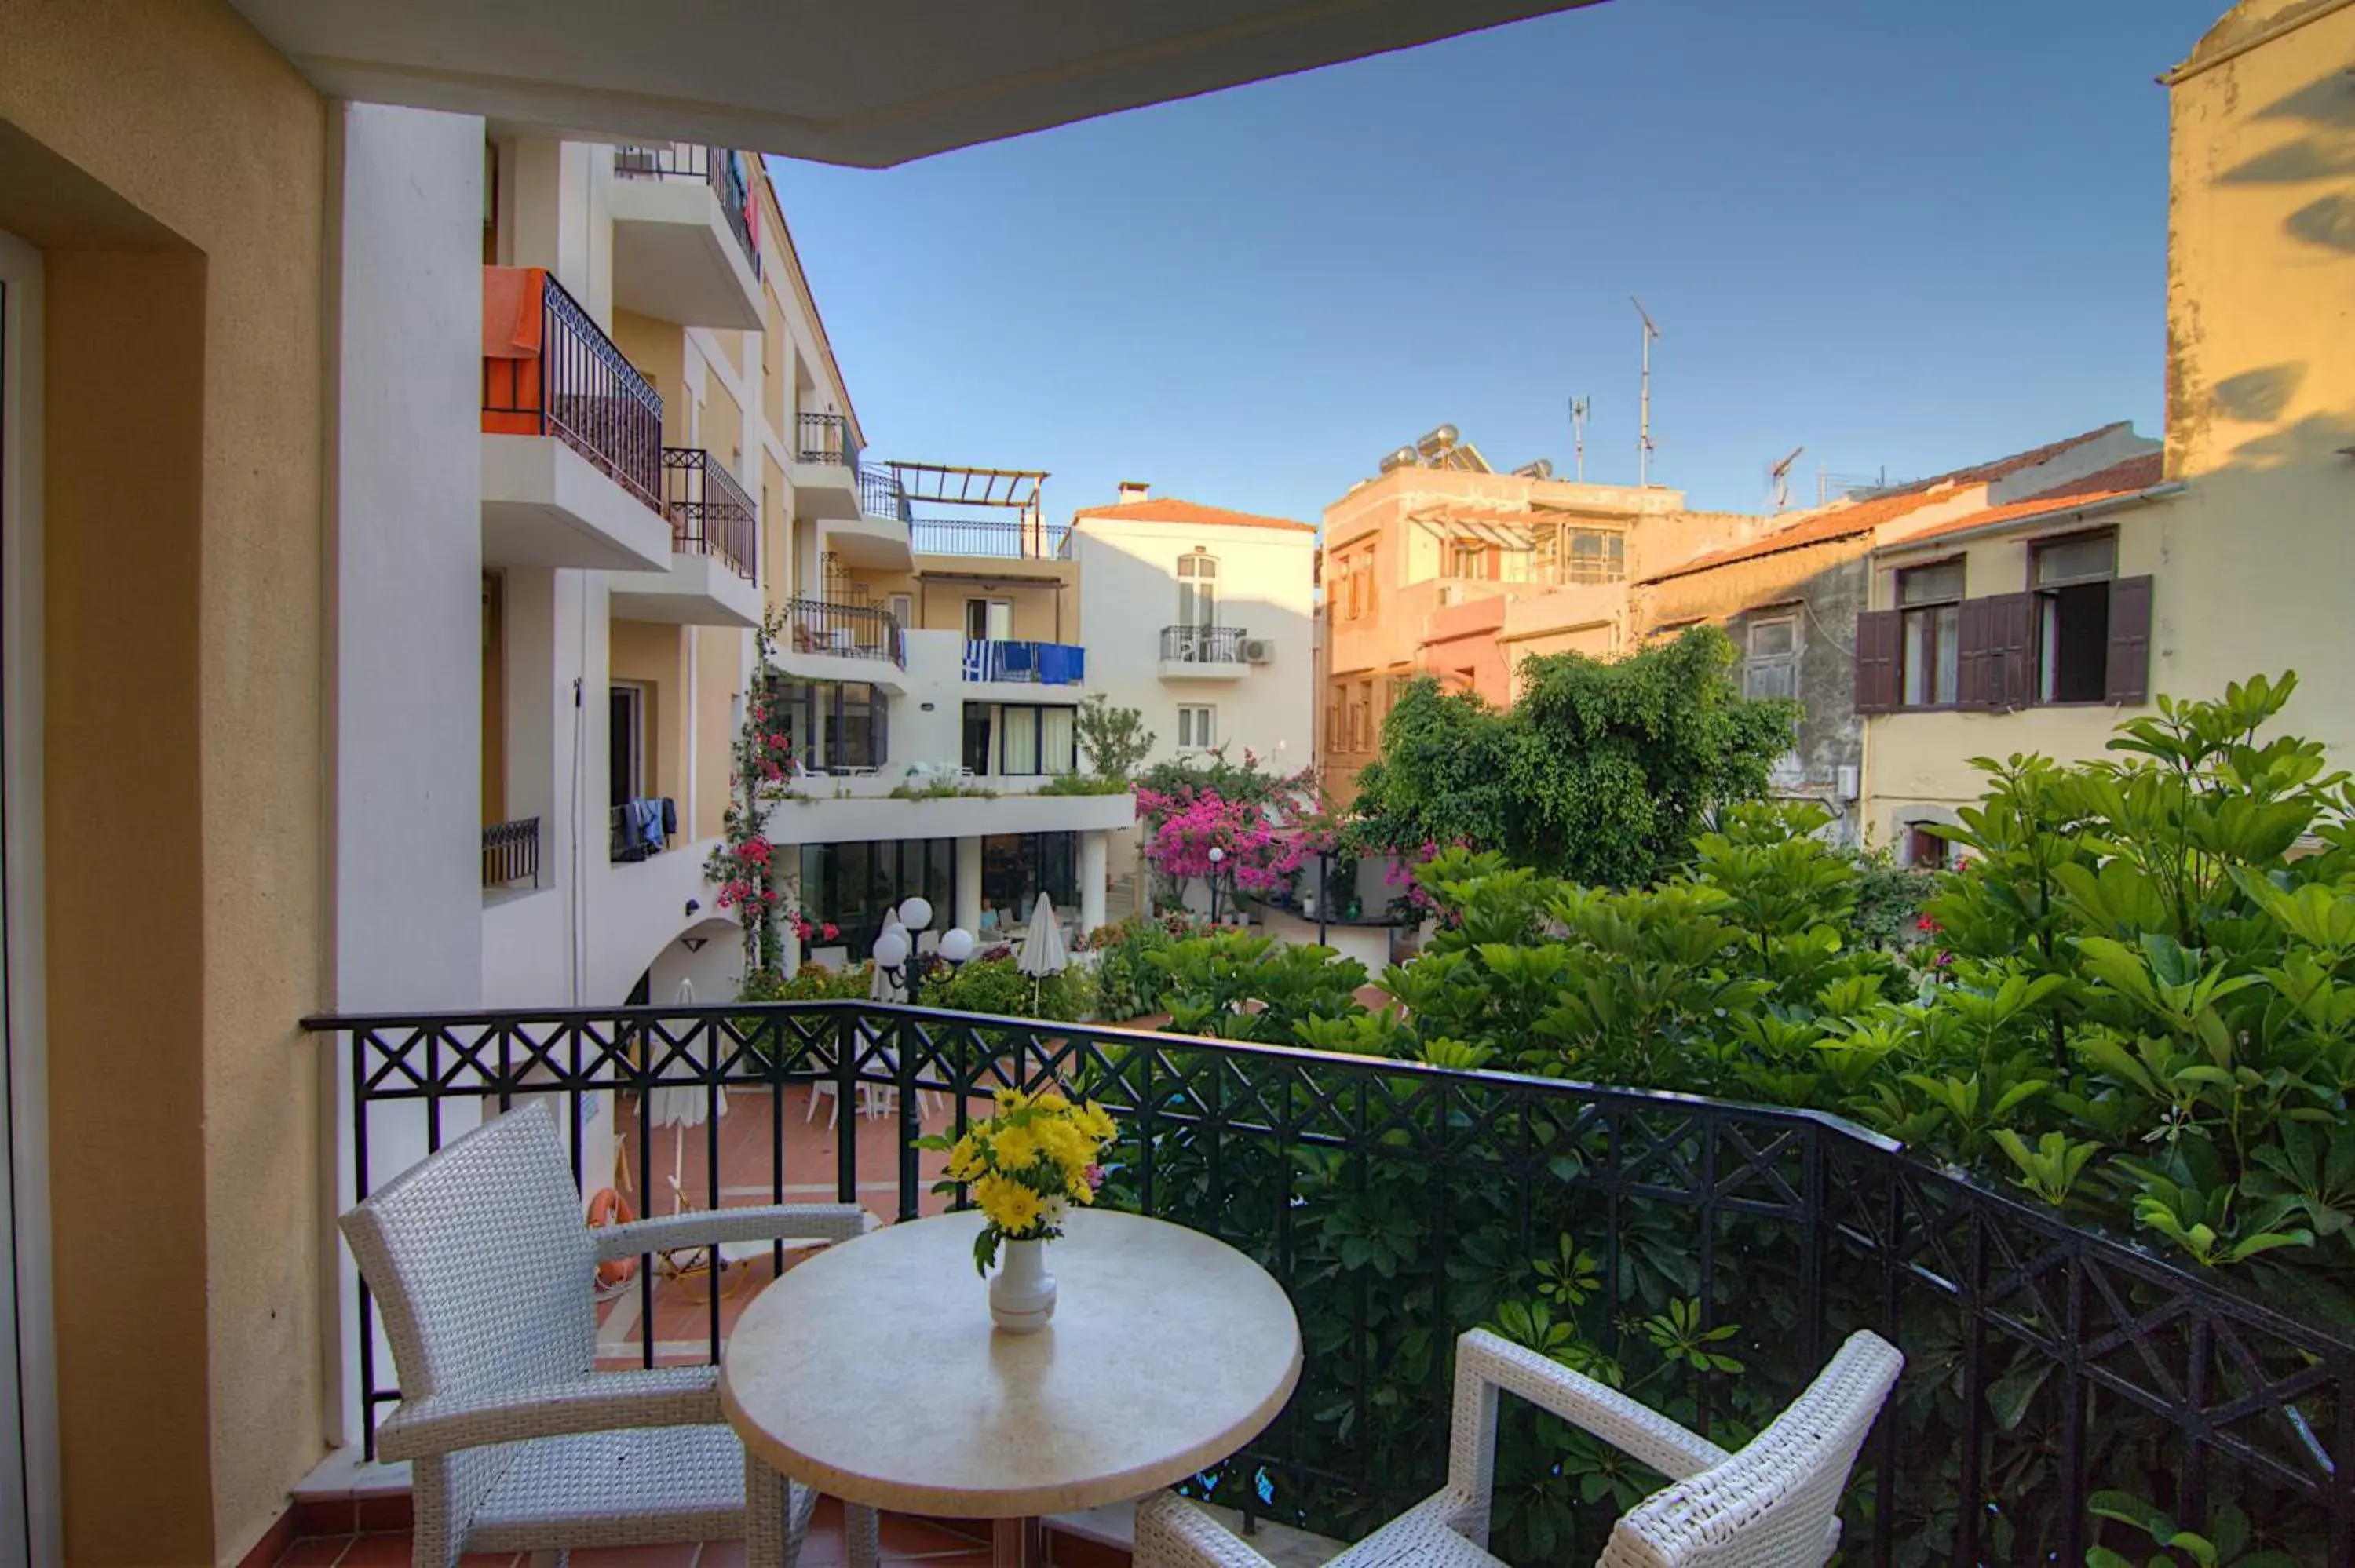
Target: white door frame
(28, 1432)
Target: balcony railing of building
(581, 389)
(716, 166)
(511, 853)
(642, 828)
(1401, 1203)
(1202, 644)
(1031, 540)
(710, 513)
(850, 631)
(880, 495)
(824, 437)
(1039, 663)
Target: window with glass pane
(1194, 729)
(1059, 741)
(2072, 578)
(1597, 555)
(1018, 747)
(1929, 649)
(1198, 590)
(1770, 665)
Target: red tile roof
(1855, 518)
(2130, 478)
(1174, 511)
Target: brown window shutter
(2128, 676)
(2010, 679)
(1974, 687)
(1876, 661)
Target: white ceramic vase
(1022, 1293)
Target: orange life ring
(610, 1208)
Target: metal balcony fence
(1399, 1205)
(1030, 540)
(880, 495)
(715, 167)
(1203, 645)
(511, 853)
(851, 630)
(710, 513)
(584, 391)
(824, 437)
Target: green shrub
(1084, 784)
(997, 988)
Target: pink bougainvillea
(1263, 843)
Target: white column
(968, 884)
(1094, 873)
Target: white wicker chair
(483, 1269)
(1772, 1505)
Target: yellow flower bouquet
(1027, 1165)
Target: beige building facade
(2235, 544)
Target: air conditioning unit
(1259, 650)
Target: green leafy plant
(1115, 739)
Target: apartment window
(2070, 578)
(1336, 717)
(1197, 727)
(1033, 741)
(988, 620)
(976, 736)
(1197, 589)
(626, 741)
(1930, 603)
(1925, 849)
(834, 723)
(1597, 555)
(1354, 581)
(903, 609)
(1466, 559)
(1362, 725)
(1770, 664)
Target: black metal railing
(1031, 540)
(710, 513)
(824, 437)
(511, 853)
(1400, 1203)
(1202, 644)
(852, 631)
(880, 495)
(581, 389)
(715, 167)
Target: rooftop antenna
(1779, 476)
(1578, 434)
(1644, 439)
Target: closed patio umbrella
(683, 1106)
(1043, 952)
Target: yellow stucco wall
(658, 349)
(717, 653)
(939, 602)
(183, 696)
(2261, 364)
(651, 654)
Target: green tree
(1115, 739)
(1602, 773)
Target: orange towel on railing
(513, 298)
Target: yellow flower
(1007, 1203)
(1077, 1188)
(1097, 1121)
(1065, 1144)
(1051, 1101)
(966, 1159)
(1016, 1148)
(1012, 1099)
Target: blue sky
(1904, 235)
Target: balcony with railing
(511, 855)
(573, 450)
(1025, 663)
(713, 578)
(996, 538)
(1725, 1249)
(685, 241)
(1207, 652)
(826, 630)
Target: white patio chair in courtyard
(483, 1269)
(1772, 1505)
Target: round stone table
(872, 1372)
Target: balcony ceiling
(870, 84)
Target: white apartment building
(1203, 620)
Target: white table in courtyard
(872, 1373)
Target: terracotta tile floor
(933, 1544)
(679, 1165)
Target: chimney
(1133, 490)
